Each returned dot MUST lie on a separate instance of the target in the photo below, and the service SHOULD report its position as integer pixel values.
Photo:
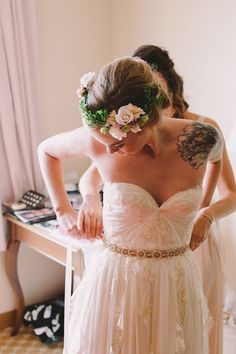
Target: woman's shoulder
(200, 118)
(82, 139)
(194, 128)
(192, 141)
(203, 137)
(68, 144)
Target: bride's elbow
(45, 150)
(42, 149)
(230, 196)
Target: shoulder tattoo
(196, 142)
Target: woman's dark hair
(160, 61)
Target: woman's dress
(136, 305)
(208, 257)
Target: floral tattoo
(196, 143)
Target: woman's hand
(67, 219)
(201, 228)
(90, 221)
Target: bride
(141, 293)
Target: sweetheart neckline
(196, 187)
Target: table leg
(11, 271)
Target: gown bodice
(133, 219)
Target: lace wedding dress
(134, 305)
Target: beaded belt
(155, 254)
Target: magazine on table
(33, 216)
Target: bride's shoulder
(194, 117)
(196, 141)
(195, 126)
(199, 132)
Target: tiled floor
(27, 343)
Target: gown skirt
(134, 305)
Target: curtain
(19, 103)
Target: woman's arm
(90, 212)
(90, 182)
(227, 197)
(51, 152)
(211, 179)
(226, 187)
(203, 220)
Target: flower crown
(128, 118)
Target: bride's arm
(90, 213)
(51, 152)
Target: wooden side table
(43, 242)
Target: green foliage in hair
(106, 121)
(93, 119)
(155, 96)
(150, 93)
(162, 100)
(143, 120)
(105, 130)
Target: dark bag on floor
(47, 320)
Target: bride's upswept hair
(160, 60)
(122, 82)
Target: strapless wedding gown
(131, 305)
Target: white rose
(124, 115)
(86, 78)
(117, 133)
(137, 111)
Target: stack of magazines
(35, 207)
(33, 216)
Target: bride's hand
(201, 228)
(67, 219)
(90, 220)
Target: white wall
(200, 37)
(74, 37)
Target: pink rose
(124, 115)
(80, 91)
(137, 112)
(127, 114)
(117, 133)
(135, 128)
(86, 78)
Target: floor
(26, 343)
